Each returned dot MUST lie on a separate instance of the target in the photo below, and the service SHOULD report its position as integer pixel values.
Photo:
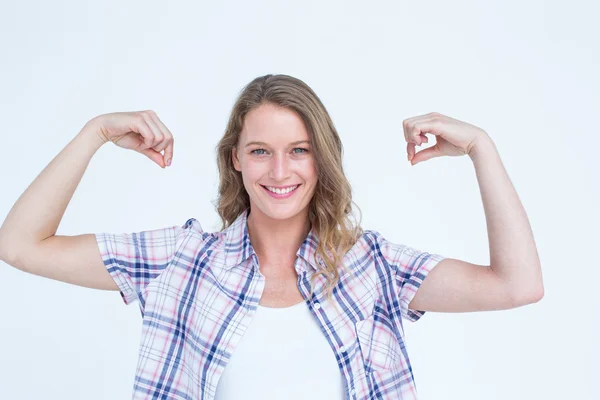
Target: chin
(278, 211)
(282, 212)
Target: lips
(280, 196)
(281, 188)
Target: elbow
(530, 296)
(7, 252)
(7, 256)
(3, 250)
(535, 296)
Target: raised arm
(514, 276)
(28, 239)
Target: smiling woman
(291, 298)
(276, 164)
(280, 135)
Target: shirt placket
(243, 320)
(323, 312)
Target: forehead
(273, 125)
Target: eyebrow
(264, 144)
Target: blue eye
(297, 148)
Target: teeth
(281, 191)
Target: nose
(280, 167)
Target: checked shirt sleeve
(135, 259)
(410, 266)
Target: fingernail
(169, 162)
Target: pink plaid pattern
(198, 292)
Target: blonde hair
(330, 208)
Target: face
(274, 153)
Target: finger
(426, 154)
(421, 127)
(416, 127)
(409, 129)
(169, 141)
(410, 149)
(168, 157)
(149, 139)
(140, 126)
(154, 156)
(414, 136)
(162, 126)
(158, 135)
(167, 146)
(410, 143)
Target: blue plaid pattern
(198, 292)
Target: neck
(276, 241)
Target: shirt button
(342, 348)
(352, 392)
(317, 305)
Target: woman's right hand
(141, 131)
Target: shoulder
(371, 251)
(373, 243)
(374, 250)
(197, 238)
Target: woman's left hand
(453, 137)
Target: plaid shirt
(198, 292)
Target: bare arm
(514, 276)
(70, 259)
(27, 236)
(28, 239)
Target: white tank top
(282, 355)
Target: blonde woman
(291, 299)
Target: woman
(290, 299)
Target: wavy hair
(330, 208)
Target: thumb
(426, 154)
(154, 156)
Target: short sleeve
(135, 259)
(410, 267)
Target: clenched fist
(141, 131)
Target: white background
(526, 72)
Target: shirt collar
(238, 247)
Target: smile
(280, 193)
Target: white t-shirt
(282, 355)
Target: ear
(236, 161)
